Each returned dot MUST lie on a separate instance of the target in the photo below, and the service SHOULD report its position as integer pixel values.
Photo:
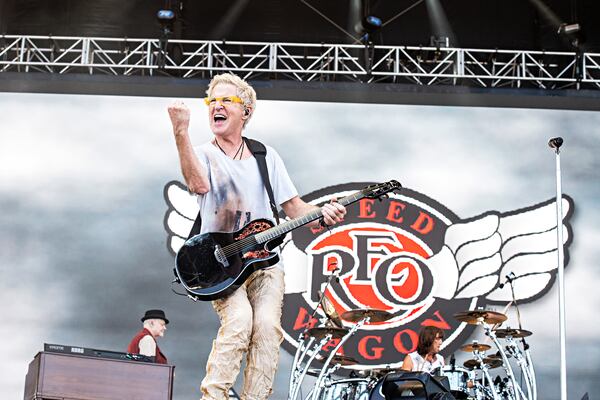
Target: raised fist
(180, 117)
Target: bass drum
(460, 379)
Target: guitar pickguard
(251, 229)
(249, 255)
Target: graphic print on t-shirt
(229, 207)
(238, 223)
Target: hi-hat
(488, 361)
(360, 314)
(515, 333)
(475, 317)
(475, 347)
(321, 332)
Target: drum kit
(474, 381)
(486, 376)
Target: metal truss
(304, 62)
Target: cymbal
(338, 359)
(490, 362)
(493, 362)
(343, 360)
(477, 316)
(362, 313)
(322, 331)
(515, 333)
(475, 347)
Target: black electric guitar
(213, 265)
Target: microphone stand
(555, 144)
(334, 274)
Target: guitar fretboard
(290, 225)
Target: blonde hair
(244, 90)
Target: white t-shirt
(420, 364)
(237, 194)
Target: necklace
(236, 153)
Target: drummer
(426, 358)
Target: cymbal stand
(531, 369)
(298, 370)
(516, 389)
(486, 374)
(514, 351)
(528, 370)
(319, 383)
(327, 378)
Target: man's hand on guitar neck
(333, 212)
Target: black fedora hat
(155, 314)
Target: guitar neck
(290, 225)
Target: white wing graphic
(479, 252)
(180, 215)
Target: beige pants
(250, 323)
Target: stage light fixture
(165, 16)
(368, 24)
(568, 29)
(439, 41)
(371, 23)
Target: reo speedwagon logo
(411, 256)
(408, 255)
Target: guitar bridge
(220, 257)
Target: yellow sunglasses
(211, 101)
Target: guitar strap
(260, 153)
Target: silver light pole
(555, 144)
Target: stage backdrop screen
(93, 210)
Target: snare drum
(459, 379)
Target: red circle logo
(378, 256)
